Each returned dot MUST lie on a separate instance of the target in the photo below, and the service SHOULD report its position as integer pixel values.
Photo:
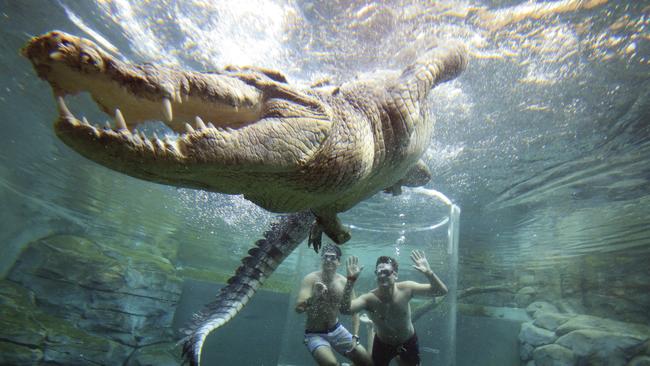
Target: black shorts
(409, 352)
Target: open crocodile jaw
(141, 93)
(234, 124)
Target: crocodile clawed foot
(417, 176)
(331, 226)
(315, 237)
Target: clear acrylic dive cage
(393, 226)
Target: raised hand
(353, 268)
(421, 263)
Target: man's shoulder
(339, 279)
(406, 285)
(370, 296)
(312, 276)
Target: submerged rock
(568, 339)
(553, 355)
(607, 325)
(525, 296)
(550, 321)
(601, 347)
(535, 336)
(543, 306)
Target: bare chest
(391, 310)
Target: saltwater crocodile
(288, 149)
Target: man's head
(331, 255)
(386, 270)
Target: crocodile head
(246, 130)
(225, 107)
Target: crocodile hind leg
(417, 176)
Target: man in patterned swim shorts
(320, 297)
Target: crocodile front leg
(328, 223)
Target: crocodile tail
(439, 64)
(282, 238)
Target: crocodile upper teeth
(138, 136)
(119, 120)
(167, 109)
(199, 123)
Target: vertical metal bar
(452, 251)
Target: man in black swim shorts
(389, 309)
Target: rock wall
(561, 339)
(608, 285)
(586, 310)
(71, 301)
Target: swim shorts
(337, 337)
(409, 352)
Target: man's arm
(355, 322)
(352, 306)
(349, 306)
(305, 298)
(435, 287)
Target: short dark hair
(332, 248)
(389, 260)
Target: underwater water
(543, 142)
